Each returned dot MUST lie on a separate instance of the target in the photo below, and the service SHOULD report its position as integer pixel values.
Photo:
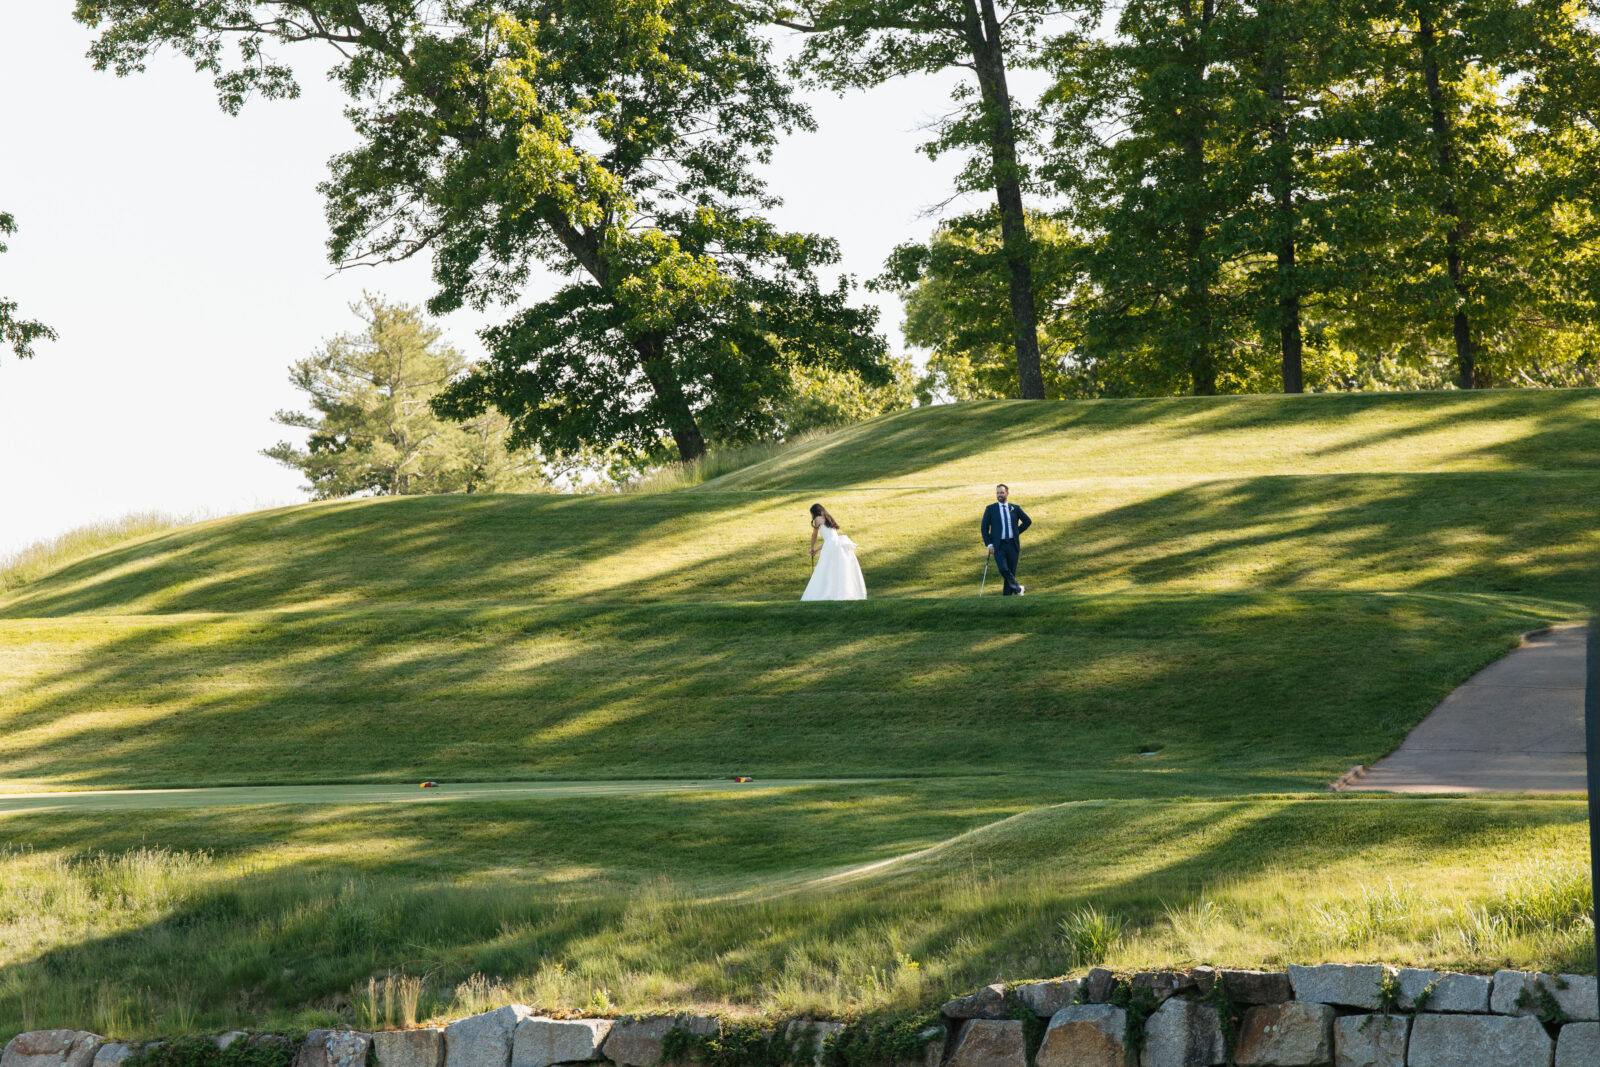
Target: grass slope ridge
(1425, 492)
(1243, 625)
(1208, 437)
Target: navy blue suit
(1006, 549)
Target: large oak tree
(614, 142)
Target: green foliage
(735, 1044)
(1033, 1027)
(1228, 1016)
(1477, 246)
(374, 429)
(1542, 1002)
(882, 1042)
(1140, 1003)
(203, 1052)
(1420, 1001)
(18, 333)
(617, 146)
(1153, 198)
(1381, 194)
(856, 43)
(957, 307)
(820, 398)
(1388, 993)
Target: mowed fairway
(1231, 601)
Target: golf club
(985, 576)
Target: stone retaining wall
(1333, 1015)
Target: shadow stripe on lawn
(382, 793)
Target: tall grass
(1539, 914)
(715, 463)
(1090, 935)
(97, 939)
(42, 557)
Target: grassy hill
(1446, 491)
(1229, 598)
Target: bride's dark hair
(827, 520)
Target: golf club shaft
(985, 576)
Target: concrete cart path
(380, 793)
(1515, 727)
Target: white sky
(179, 253)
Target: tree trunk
(653, 361)
(988, 57)
(1289, 338)
(669, 395)
(1290, 341)
(1197, 286)
(1468, 374)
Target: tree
(1479, 182)
(820, 398)
(373, 428)
(957, 307)
(1192, 146)
(1347, 187)
(1287, 114)
(614, 142)
(1147, 165)
(19, 333)
(859, 43)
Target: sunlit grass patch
(1473, 926)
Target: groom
(1003, 523)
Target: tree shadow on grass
(1002, 440)
(1470, 532)
(354, 552)
(1510, 532)
(729, 545)
(1282, 683)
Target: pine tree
(372, 425)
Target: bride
(837, 575)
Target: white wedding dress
(837, 575)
